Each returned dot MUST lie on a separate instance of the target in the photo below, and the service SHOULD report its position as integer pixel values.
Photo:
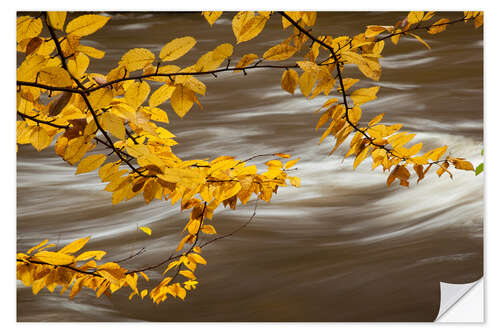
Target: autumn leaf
(279, 52)
(113, 124)
(37, 246)
(146, 230)
(245, 30)
(55, 76)
(208, 229)
(90, 163)
(91, 51)
(100, 98)
(306, 83)
(438, 26)
(161, 94)
(246, 60)
(74, 246)
(373, 30)
(86, 24)
(136, 59)
(420, 40)
(188, 274)
(291, 163)
(97, 255)
(182, 100)
(33, 45)
(415, 17)
(54, 258)
(176, 48)
(39, 138)
(289, 80)
(28, 27)
(136, 93)
(364, 95)
(56, 19)
(462, 164)
(211, 17)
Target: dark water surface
(343, 247)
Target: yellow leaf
(177, 48)
(27, 27)
(160, 115)
(361, 156)
(420, 40)
(78, 64)
(279, 52)
(91, 51)
(161, 95)
(208, 229)
(188, 274)
(306, 83)
(428, 16)
(413, 150)
(462, 164)
(182, 100)
(400, 139)
(86, 24)
(37, 246)
(369, 67)
(438, 26)
(364, 95)
(74, 246)
(193, 83)
(136, 93)
(136, 59)
(239, 20)
(100, 98)
(90, 163)
(282, 155)
(294, 181)
(309, 18)
(435, 154)
(289, 80)
(113, 124)
(211, 16)
(376, 119)
(222, 51)
(415, 17)
(54, 258)
(291, 163)
(55, 76)
(246, 60)
(354, 114)
(29, 68)
(348, 83)
(90, 254)
(56, 19)
(479, 20)
(144, 276)
(146, 230)
(374, 30)
(144, 293)
(250, 28)
(444, 168)
(211, 60)
(197, 258)
(39, 138)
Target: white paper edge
(462, 303)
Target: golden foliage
(85, 109)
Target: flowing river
(342, 247)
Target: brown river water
(343, 247)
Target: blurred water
(343, 247)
